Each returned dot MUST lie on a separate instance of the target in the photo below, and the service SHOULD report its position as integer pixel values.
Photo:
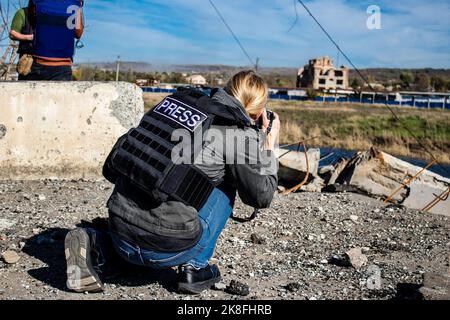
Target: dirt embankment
(295, 250)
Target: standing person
(163, 215)
(56, 24)
(22, 31)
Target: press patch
(181, 113)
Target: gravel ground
(295, 250)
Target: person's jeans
(213, 216)
(49, 73)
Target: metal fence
(409, 103)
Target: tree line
(408, 80)
(97, 74)
(88, 73)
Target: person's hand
(265, 121)
(29, 37)
(272, 136)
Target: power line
(232, 33)
(296, 17)
(372, 88)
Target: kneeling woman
(171, 233)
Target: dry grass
(359, 127)
(152, 99)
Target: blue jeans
(213, 217)
(49, 73)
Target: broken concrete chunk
(379, 174)
(10, 257)
(326, 170)
(220, 286)
(330, 173)
(293, 166)
(293, 287)
(316, 185)
(436, 286)
(338, 168)
(238, 288)
(356, 258)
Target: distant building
(320, 74)
(197, 80)
(147, 82)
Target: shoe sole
(81, 276)
(199, 287)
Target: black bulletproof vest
(144, 154)
(26, 47)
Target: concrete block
(379, 174)
(63, 130)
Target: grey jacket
(250, 170)
(172, 226)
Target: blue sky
(415, 33)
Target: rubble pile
(372, 173)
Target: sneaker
(193, 281)
(81, 275)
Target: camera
(271, 117)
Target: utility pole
(118, 68)
(257, 65)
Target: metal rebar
(389, 199)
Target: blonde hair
(251, 90)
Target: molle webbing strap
(204, 103)
(225, 112)
(147, 154)
(188, 185)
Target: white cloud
(414, 33)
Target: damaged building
(320, 74)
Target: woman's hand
(272, 136)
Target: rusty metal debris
(442, 197)
(305, 180)
(389, 199)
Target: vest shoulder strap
(206, 104)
